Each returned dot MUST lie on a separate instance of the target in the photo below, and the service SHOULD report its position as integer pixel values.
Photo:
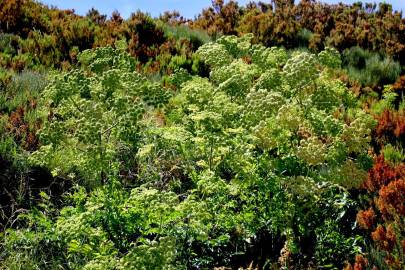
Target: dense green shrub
(179, 32)
(92, 116)
(370, 69)
(211, 178)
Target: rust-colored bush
(366, 218)
(399, 85)
(386, 187)
(360, 263)
(23, 132)
(385, 238)
(382, 174)
(390, 128)
(219, 19)
(391, 200)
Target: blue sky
(187, 8)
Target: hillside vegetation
(265, 136)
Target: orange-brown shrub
(23, 132)
(382, 174)
(390, 128)
(386, 187)
(366, 218)
(391, 200)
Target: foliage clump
(218, 166)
